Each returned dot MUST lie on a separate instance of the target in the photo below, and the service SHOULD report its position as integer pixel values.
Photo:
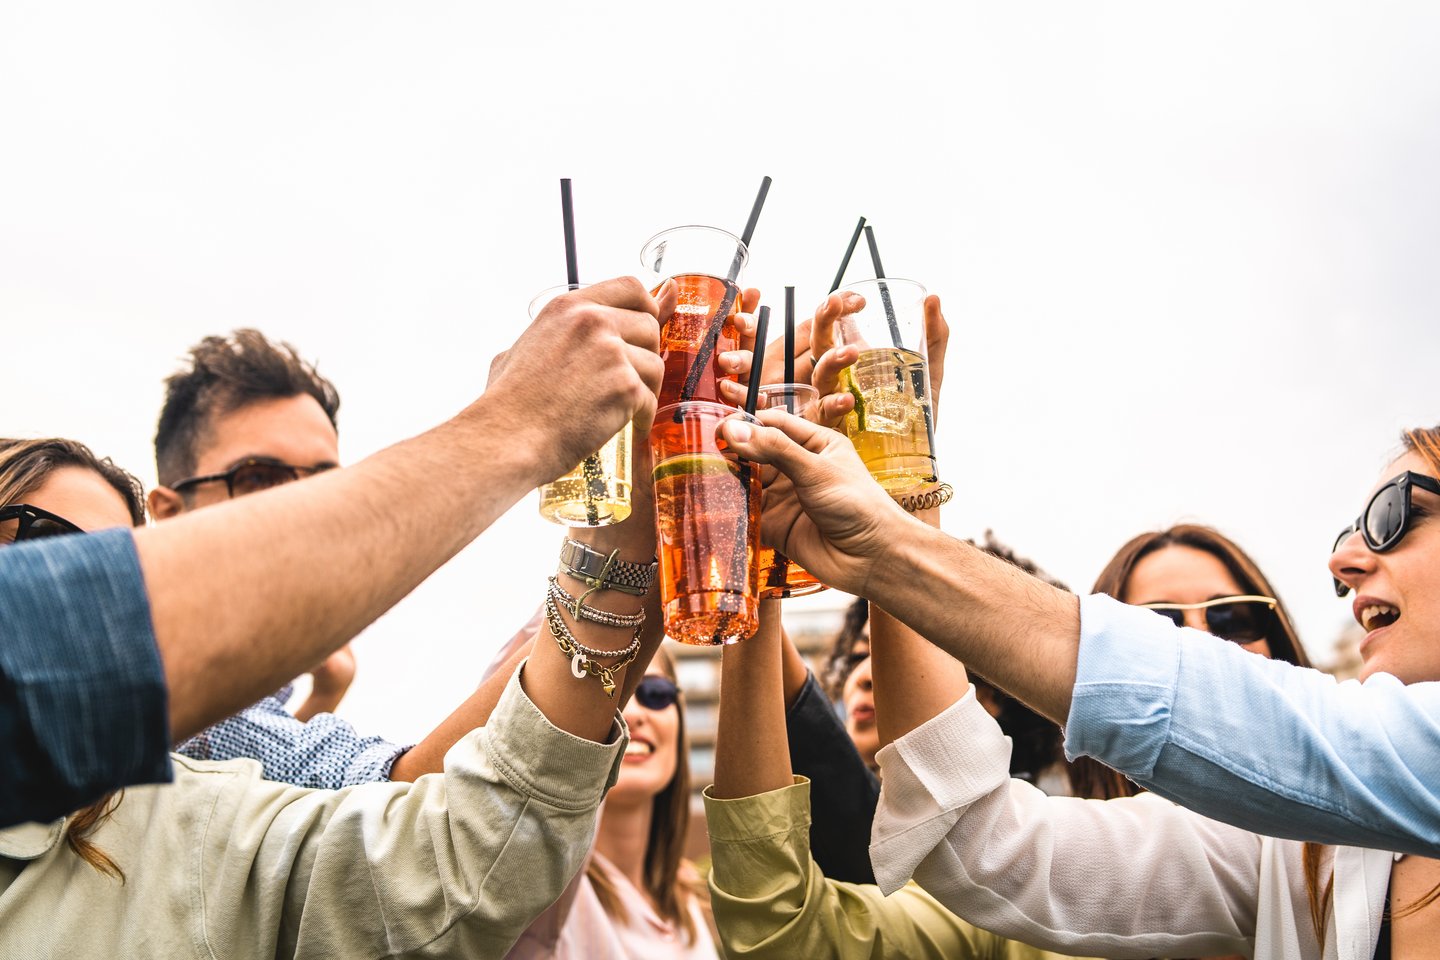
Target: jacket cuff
(927, 778)
(544, 762)
(760, 816)
(1125, 684)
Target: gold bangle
(928, 500)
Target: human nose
(1351, 562)
(1195, 619)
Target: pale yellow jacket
(222, 864)
(771, 900)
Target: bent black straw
(884, 289)
(762, 329)
(789, 348)
(707, 346)
(849, 252)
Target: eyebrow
(276, 461)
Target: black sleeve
(843, 791)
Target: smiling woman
(637, 897)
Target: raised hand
(586, 365)
(822, 508)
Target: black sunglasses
(1246, 619)
(253, 475)
(33, 523)
(655, 692)
(1387, 516)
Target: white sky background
(1188, 255)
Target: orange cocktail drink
(707, 520)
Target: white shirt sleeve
(1134, 877)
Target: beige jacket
(223, 864)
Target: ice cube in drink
(891, 424)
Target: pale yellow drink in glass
(892, 425)
(597, 492)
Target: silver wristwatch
(604, 571)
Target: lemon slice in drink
(690, 464)
(854, 390)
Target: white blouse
(1133, 877)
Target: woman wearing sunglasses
(1196, 577)
(54, 487)
(1138, 876)
(224, 863)
(638, 897)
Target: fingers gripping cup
(705, 263)
(707, 523)
(781, 577)
(597, 492)
(892, 425)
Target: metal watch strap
(587, 564)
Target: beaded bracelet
(582, 658)
(928, 500)
(580, 611)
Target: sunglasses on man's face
(1242, 620)
(1387, 516)
(20, 521)
(655, 692)
(253, 475)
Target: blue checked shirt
(83, 706)
(325, 752)
(1257, 743)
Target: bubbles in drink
(597, 492)
(706, 512)
(890, 425)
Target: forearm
(751, 753)
(581, 706)
(1015, 630)
(248, 594)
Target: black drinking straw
(762, 329)
(789, 349)
(884, 289)
(590, 471)
(849, 252)
(567, 212)
(707, 346)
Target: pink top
(578, 928)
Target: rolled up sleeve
(1257, 743)
(83, 706)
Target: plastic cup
(892, 425)
(597, 492)
(705, 263)
(707, 525)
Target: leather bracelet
(928, 500)
(600, 571)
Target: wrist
(506, 444)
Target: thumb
(786, 441)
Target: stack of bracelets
(598, 572)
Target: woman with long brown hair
(638, 897)
(52, 487)
(1199, 578)
(1138, 876)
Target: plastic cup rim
(739, 244)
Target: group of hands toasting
(589, 363)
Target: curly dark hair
(225, 374)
